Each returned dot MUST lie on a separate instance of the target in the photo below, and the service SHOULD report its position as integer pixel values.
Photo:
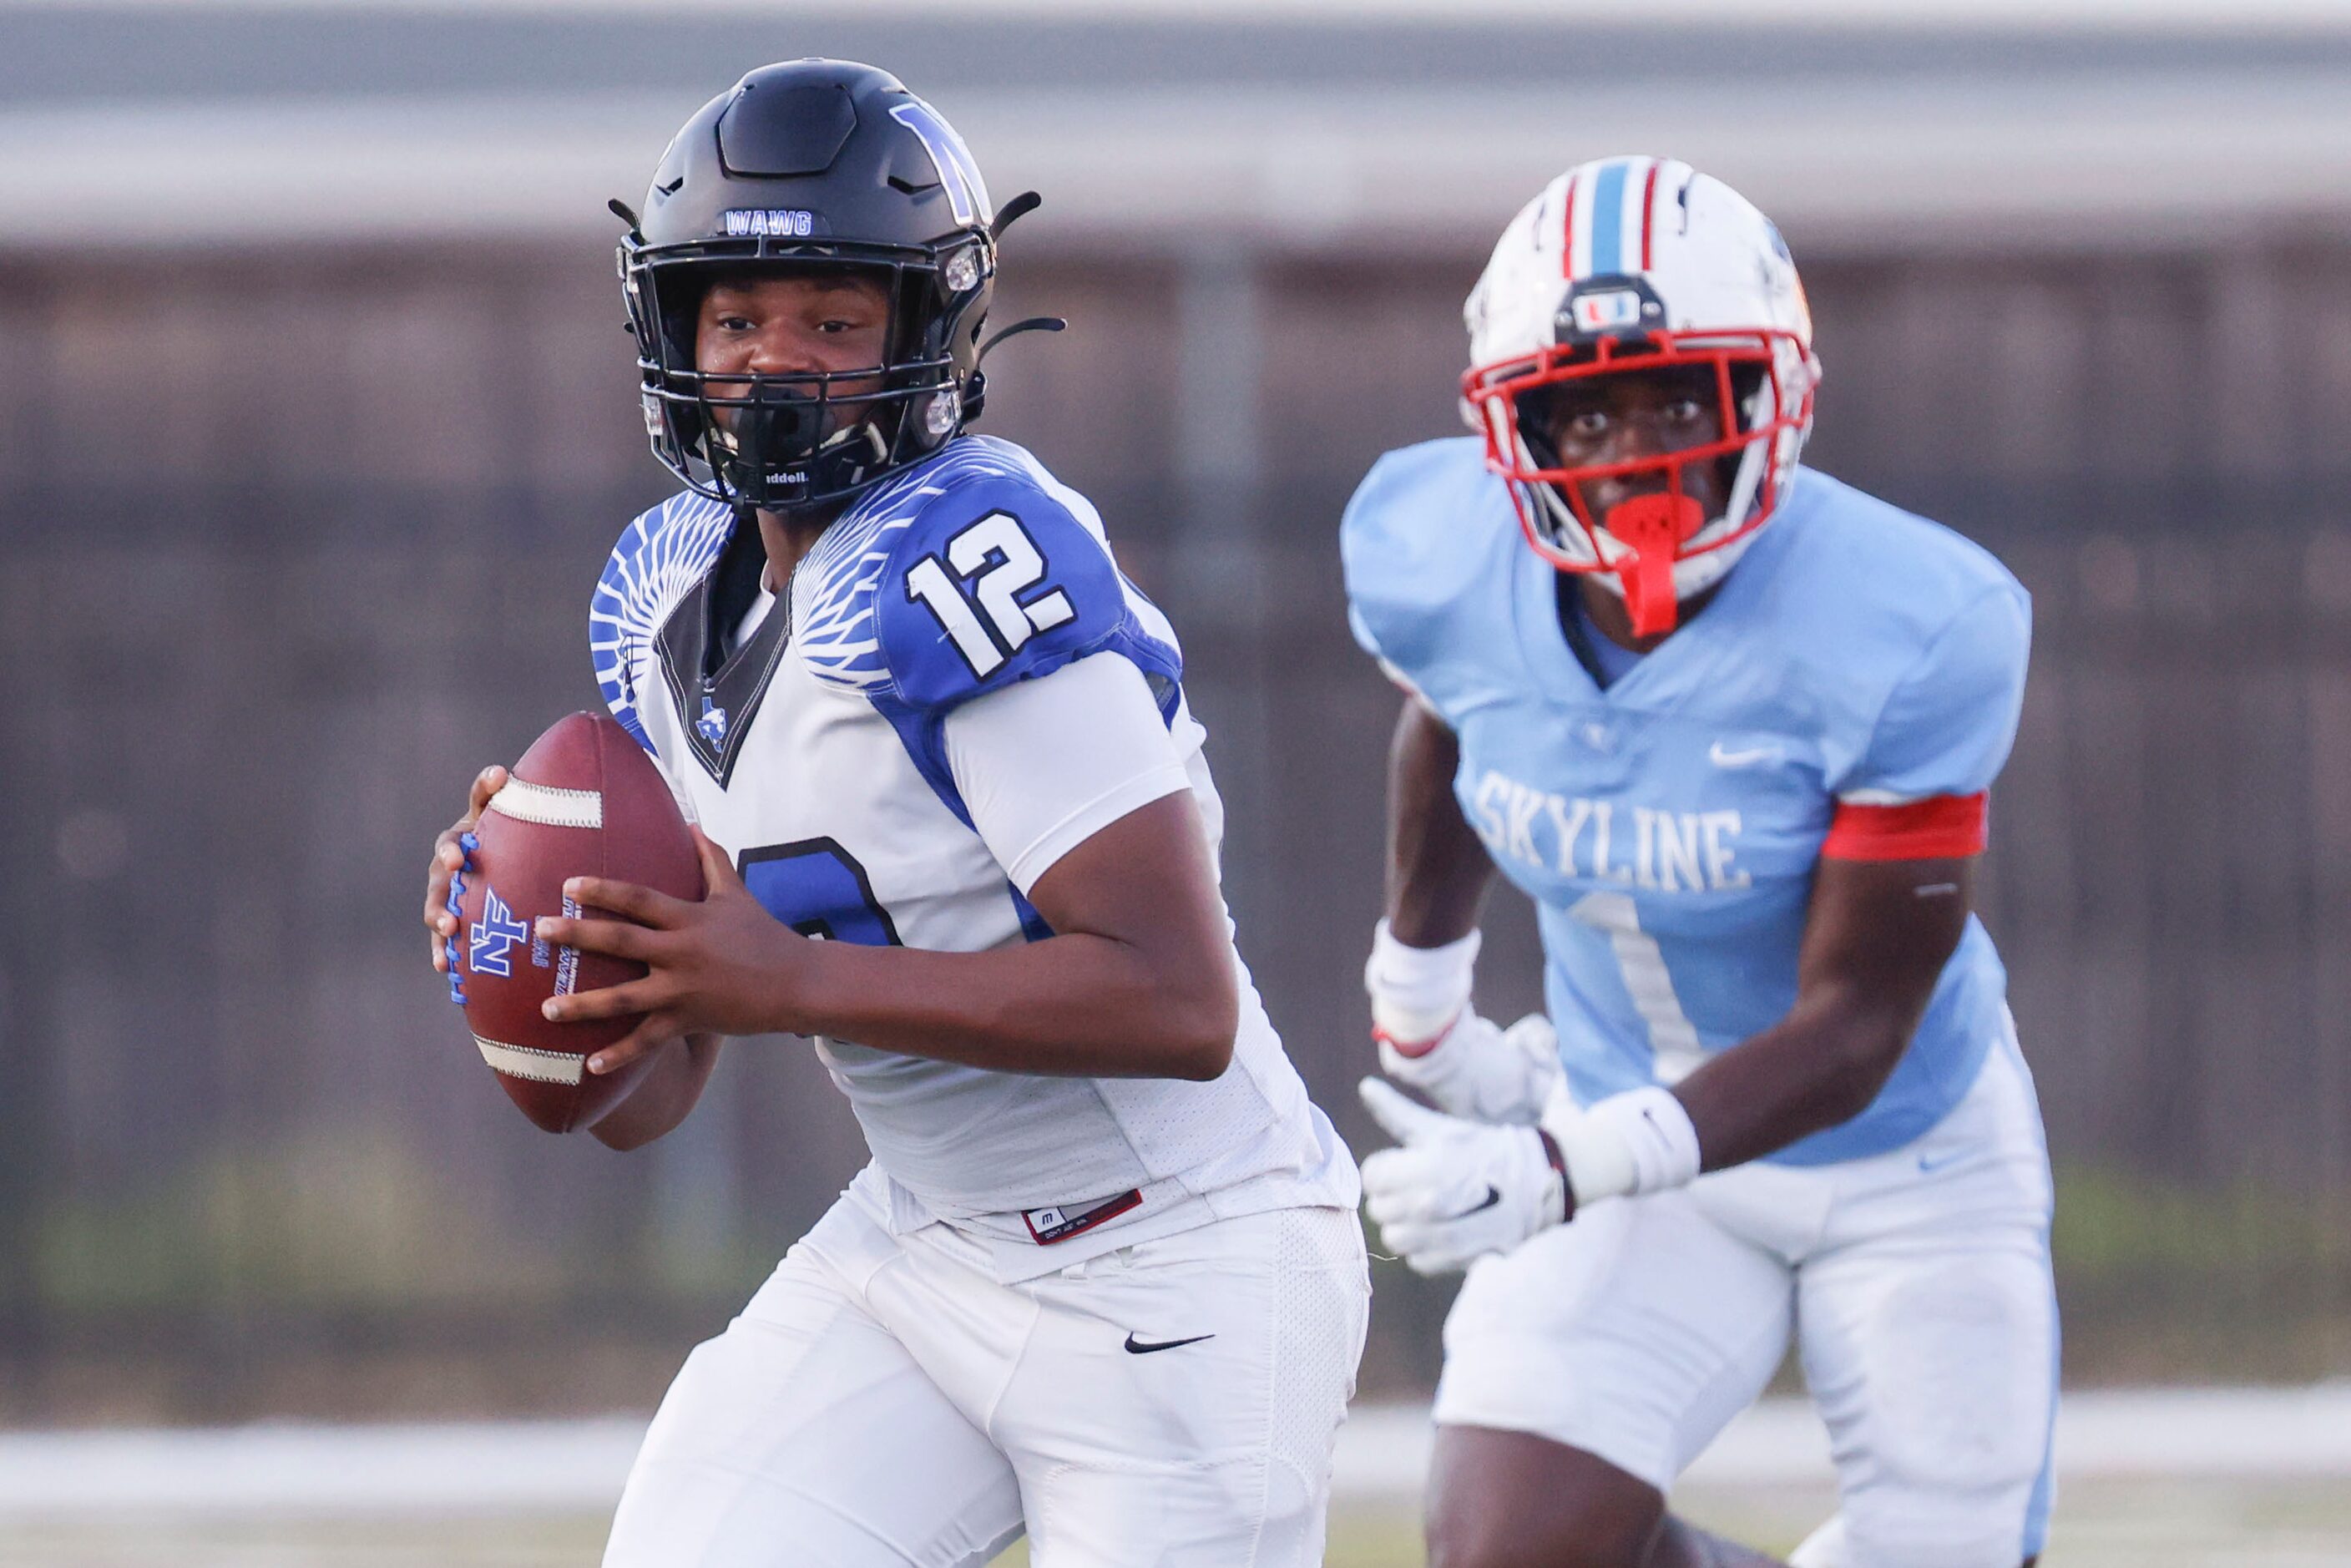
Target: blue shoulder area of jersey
(960, 577)
(659, 557)
(1427, 545)
(1907, 642)
(963, 575)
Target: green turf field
(2157, 1523)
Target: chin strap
(1652, 528)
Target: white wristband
(1417, 992)
(1625, 1145)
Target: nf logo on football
(494, 936)
(1606, 311)
(784, 222)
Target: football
(585, 800)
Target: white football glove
(1457, 1190)
(1430, 1039)
(1479, 1069)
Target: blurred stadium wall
(316, 421)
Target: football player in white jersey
(1103, 1279)
(1730, 725)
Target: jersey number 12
(979, 607)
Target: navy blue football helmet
(824, 165)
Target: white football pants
(883, 1402)
(1917, 1284)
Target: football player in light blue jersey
(1730, 724)
(1104, 1281)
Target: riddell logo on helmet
(786, 222)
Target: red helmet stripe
(1648, 212)
(1567, 233)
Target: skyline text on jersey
(1671, 851)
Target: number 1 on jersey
(998, 561)
(1672, 1037)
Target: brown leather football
(585, 800)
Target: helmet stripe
(1567, 233)
(1608, 219)
(1648, 214)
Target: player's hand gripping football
(721, 965)
(1457, 1189)
(448, 859)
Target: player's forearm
(1075, 1005)
(1875, 941)
(1438, 870)
(1820, 1066)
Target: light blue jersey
(1668, 827)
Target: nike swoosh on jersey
(1748, 758)
(1144, 1347)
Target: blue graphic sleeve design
(964, 574)
(1947, 725)
(659, 557)
(996, 582)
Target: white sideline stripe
(548, 805)
(524, 1466)
(523, 1061)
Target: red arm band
(1939, 827)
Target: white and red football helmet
(1634, 264)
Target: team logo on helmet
(1609, 305)
(967, 192)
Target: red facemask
(1654, 528)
